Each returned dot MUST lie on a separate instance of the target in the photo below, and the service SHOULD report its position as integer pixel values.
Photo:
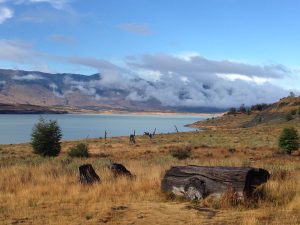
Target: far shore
(35, 109)
(112, 112)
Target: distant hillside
(287, 110)
(86, 92)
(28, 109)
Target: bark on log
(87, 174)
(196, 182)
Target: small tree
(289, 140)
(232, 110)
(80, 150)
(45, 138)
(243, 108)
(292, 94)
(288, 116)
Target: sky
(252, 42)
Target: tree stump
(196, 182)
(87, 174)
(119, 170)
(132, 139)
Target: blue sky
(47, 35)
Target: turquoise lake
(17, 128)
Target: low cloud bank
(29, 77)
(190, 82)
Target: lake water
(17, 128)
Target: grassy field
(36, 190)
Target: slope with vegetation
(286, 111)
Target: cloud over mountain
(190, 82)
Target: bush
(289, 117)
(181, 152)
(259, 120)
(232, 110)
(289, 140)
(259, 107)
(243, 109)
(80, 150)
(45, 138)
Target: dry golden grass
(35, 190)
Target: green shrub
(180, 152)
(232, 110)
(80, 150)
(243, 108)
(289, 140)
(259, 120)
(293, 112)
(45, 138)
(289, 117)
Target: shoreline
(23, 109)
(117, 113)
(150, 113)
(100, 137)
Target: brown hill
(287, 110)
(29, 109)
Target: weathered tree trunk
(196, 182)
(176, 128)
(87, 174)
(132, 138)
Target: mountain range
(82, 91)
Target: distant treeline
(245, 109)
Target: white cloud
(5, 14)
(255, 79)
(20, 52)
(29, 77)
(42, 67)
(200, 65)
(196, 81)
(187, 55)
(62, 39)
(58, 4)
(111, 74)
(190, 81)
(16, 51)
(140, 29)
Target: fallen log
(197, 182)
(87, 174)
